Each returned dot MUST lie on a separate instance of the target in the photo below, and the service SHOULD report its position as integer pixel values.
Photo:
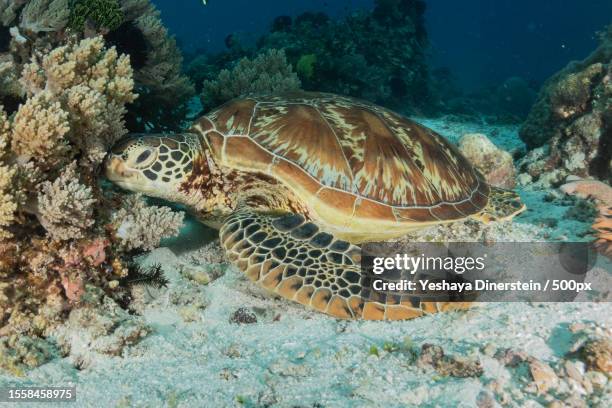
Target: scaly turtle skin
(294, 181)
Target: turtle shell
(349, 160)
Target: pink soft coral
(96, 251)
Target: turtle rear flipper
(290, 256)
(503, 205)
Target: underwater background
(481, 42)
(134, 302)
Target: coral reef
(495, 164)
(103, 13)
(267, 73)
(45, 15)
(306, 66)
(602, 227)
(572, 120)
(56, 233)
(602, 194)
(10, 90)
(69, 73)
(132, 26)
(141, 226)
(378, 56)
(7, 174)
(164, 91)
(77, 93)
(66, 206)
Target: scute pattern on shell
(355, 147)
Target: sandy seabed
(201, 353)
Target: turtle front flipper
(290, 256)
(503, 205)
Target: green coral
(305, 66)
(104, 13)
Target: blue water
(482, 41)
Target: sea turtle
(294, 181)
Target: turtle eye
(144, 159)
(143, 156)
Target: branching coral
(133, 26)
(87, 63)
(142, 226)
(269, 72)
(56, 235)
(7, 202)
(45, 15)
(104, 13)
(37, 274)
(66, 95)
(9, 9)
(8, 79)
(11, 92)
(66, 206)
(164, 90)
(85, 90)
(8, 206)
(39, 129)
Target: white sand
(194, 356)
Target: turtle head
(154, 165)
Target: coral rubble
(57, 235)
(98, 328)
(571, 123)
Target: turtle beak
(115, 169)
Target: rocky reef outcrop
(570, 127)
(494, 163)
